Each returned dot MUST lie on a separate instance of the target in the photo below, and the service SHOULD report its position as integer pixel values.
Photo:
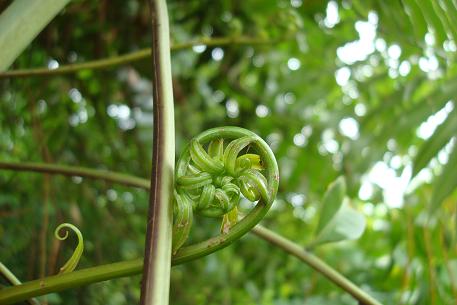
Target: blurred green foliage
(353, 89)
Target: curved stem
(131, 57)
(120, 269)
(315, 263)
(155, 284)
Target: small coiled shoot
(73, 261)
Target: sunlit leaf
(433, 20)
(435, 143)
(333, 199)
(347, 224)
(446, 183)
(416, 17)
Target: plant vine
(90, 275)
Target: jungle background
(360, 89)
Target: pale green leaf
(347, 224)
(333, 199)
(21, 22)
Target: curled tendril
(73, 261)
(217, 168)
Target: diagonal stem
(13, 280)
(315, 263)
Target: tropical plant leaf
(338, 221)
(21, 22)
(333, 199)
(446, 183)
(446, 18)
(416, 17)
(346, 224)
(433, 21)
(436, 142)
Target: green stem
(21, 22)
(13, 280)
(8, 275)
(101, 273)
(77, 171)
(128, 268)
(155, 284)
(131, 57)
(315, 263)
(73, 279)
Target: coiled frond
(73, 261)
(216, 169)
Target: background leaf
(332, 202)
(446, 183)
(347, 224)
(436, 142)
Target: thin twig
(46, 156)
(73, 171)
(315, 263)
(430, 264)
(131, 57)
(406, 279)
(447, 262)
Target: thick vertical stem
(157, 260)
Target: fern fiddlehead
(73, 261)
(210, 182)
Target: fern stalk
(157, 259)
